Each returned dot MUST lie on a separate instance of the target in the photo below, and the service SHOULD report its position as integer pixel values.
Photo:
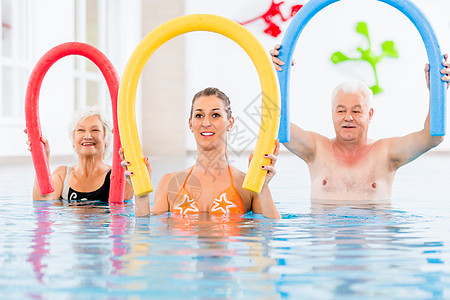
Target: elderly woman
(211, 185)
(89, 179)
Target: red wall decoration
(274, 10)
(4, 27)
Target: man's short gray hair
(86, 112)
(352, 87)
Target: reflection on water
(366, 250)
(328, 252)
(40, 242)
(398, 250)
(200, 256)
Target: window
(94, 26)
(96, 23)
(14, 58)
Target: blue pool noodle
(437, 86)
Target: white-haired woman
(89, 179)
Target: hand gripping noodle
(254, 179)
(437, 86)
(117, 188)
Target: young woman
(211, 184)
(89, 179)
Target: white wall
(213, 60)
(163, 85)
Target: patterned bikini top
(226, 202)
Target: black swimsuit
(101, 194)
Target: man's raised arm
(302, 143)
(404, 149)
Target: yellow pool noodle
(270, 113)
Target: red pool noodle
(40, 161)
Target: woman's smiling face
(209, 121)
(89, 137)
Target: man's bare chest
(364, 178)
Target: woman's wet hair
(86, 112)
(351, 87)
(211, 91)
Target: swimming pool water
(317, 251)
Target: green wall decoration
(388, 49)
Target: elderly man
(351, 166)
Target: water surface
(400, 250)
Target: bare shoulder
(168, 188)
(323, 145)
(169, 177)
(238, 180)
(58, 177)
(382, 145)
(163, 183)
(60, 172)
(321, 139)
(306, 144)
(166, 178)
(319, 136)
(393, 149)
(238, 175)
(108, 169)
(60, 169)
